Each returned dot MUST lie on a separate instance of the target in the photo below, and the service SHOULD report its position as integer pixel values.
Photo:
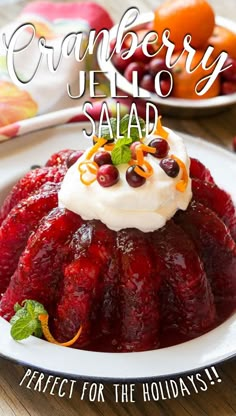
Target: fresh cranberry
(228, 87)
(121, 63)
(157, 65)
(234, 144)
(170, 167)
(134, 66)
(74, 157)
(133, 149)
(102, 158)
(165, 87)
(133, 178)
(107, 175)
(139, 54)
(161, 147)
(112, 44)
(141, 34)
(230, 73)
(147, 83)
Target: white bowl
(177, 107)
(220, 344)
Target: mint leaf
(120, 154)
(123, 142)
(17, 307)
(106, 130)
(35, 307)
(134, 131)
(23, 328)
(21, 313)
(105, 133)
(38, 332)
(142, 124)
(25, 322)
(113, 122)
(124, 122)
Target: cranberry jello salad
(126, 246)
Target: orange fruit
(222, 39)
(185, 83)
(182, 17)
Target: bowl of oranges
(184, 60)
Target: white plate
(177, 107)
(16, 157)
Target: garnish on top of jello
(130, 181)
(132, 150)
(31, 318)
(120, 267)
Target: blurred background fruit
(181, 17)
(223, 39)
(228, 78)
(185, 83)
(15, 104)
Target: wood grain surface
(220, 398)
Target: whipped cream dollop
(146, 208)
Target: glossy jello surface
(128, 289)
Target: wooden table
(219, 399)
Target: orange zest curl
(141, 162)
(160, 131)
(95, 139)
(85, 167)
(109, 147)
(43, 318)
(148, 149)
(139, 155)
(144, 173)
(89, 165)
(140, 149)
(99, 143)
(182, 184)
